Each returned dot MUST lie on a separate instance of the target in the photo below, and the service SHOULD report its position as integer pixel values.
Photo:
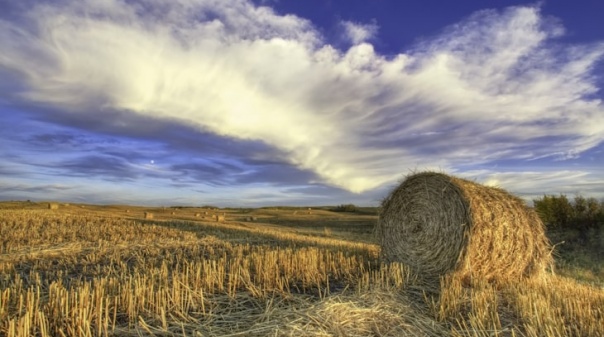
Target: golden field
(85, 270)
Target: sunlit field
(84, 270)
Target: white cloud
(533, 184)
(358, 33)
(491, 87)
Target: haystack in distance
(438, 225)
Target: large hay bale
(148, 215)
(439, 224)
(53, 206)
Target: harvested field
(100, 271)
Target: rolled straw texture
(438, 224)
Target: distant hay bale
(438, 225)
(148, 215)
(197, 215)
(205, 213)
(127, 211)
(53, 206)
(220, 218)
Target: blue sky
(275, 102)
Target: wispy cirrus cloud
(533, 184)
(496, 86)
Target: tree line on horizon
(559, 212)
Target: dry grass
(94, 272)
(552, 306)
(438, 224)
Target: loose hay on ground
(439, 224)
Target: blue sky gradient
(241, 103)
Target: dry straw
(53, 206)
(148, 215)
(439, 224)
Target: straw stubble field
(104, 271)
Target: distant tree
(545, 208)
(580, 207)
(555, 211)
(563, 211)
(587, 212)
(345, 208)
(595, 211)
(558, 212)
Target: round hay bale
(438, 224)
(53, 206)
(148, 215)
